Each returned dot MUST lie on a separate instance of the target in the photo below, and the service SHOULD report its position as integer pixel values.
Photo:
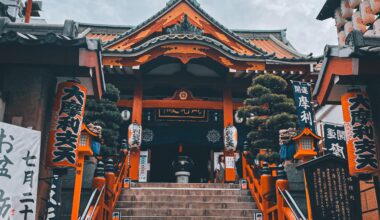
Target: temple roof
(259, 42)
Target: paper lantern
(134, 135)
(359, 128)
(369, 33)
(66, 125)
(365, 11)
(348, 28)
(354, 3)
(375, 6)
(357, 22)
(339, 21)
(376, 26)
(230, 138)
(341, 39)
(345, 9)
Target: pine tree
(106, 114)
(268, 109)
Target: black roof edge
(328, 9)
(321, 159)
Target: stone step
(184, 218)
(188, 212)
(177, 191)
(187, 198)
(187, 185)
(185, 204)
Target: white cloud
(305, 32)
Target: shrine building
(182, 76)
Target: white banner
(143, 168)
(19, 165)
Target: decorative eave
(185, 39)
(49, 39)
(195, 5)
(343, 66)
(73, 52)
(85, 128)
(306, 132)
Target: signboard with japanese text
(19, 166)
(54, 202)
(358, 124)
(230, 162)
(66, 124)
(143, 167)
(175, 114)
(302, 98)
(335, 140)
(333, 194)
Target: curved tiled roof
(49, 39)
(188, 38)
(171, 4)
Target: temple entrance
(162, 157)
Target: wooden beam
(186, 104)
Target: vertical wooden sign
(358, 123)
(68, 111)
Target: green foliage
(106, 114)
(268, 109)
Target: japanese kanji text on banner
(19, 165)
(302, 98)
(358, 123)
(66, 124)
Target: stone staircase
(186, 201)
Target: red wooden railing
(269, 189)
(107, 184)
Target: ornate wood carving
(175, 16)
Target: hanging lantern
(359, 128)
(339, 21)
(341, 38)
(345, 9)
(358, 22)
(134, 135)
(66, 124)
(230, 138)
(348, 28)
(375, 6)
(366, 12)
(354, 3)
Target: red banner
(68, 111)
(358, 123)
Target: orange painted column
(77, 187)
(136, 117)
(28, 11)
(282, 184)
(244, 164)
(266, 182)
(228, 119)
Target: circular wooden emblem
(183, 95)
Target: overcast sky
(298, 16)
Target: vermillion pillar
(228, 113)
(136, 117)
